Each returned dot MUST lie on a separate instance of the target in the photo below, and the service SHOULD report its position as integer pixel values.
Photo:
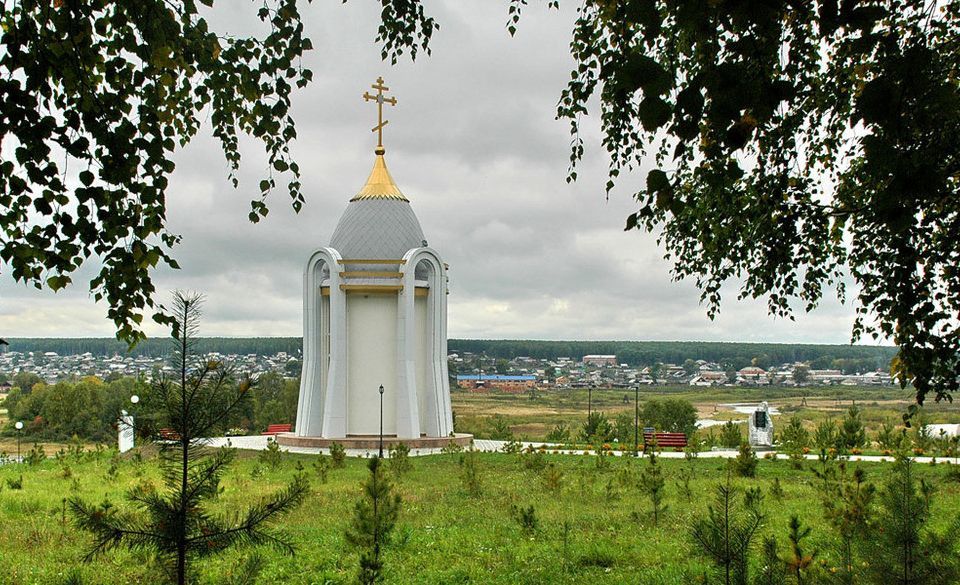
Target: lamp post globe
(381, 421)
(134, 399)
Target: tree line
(89, 408)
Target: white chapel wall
(372, 347)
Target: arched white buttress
(322, 405)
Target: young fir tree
(195, 402)
(726, 534)
(853, 435)
(847, 504)
(374, 518)
(654, 485)
(773, 570)
(800, 561)
(902, 549)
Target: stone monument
(761, 427)
(125, 432)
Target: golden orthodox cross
(380, 99)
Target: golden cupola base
(380, 184)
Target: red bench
(168, 435)
(277, 429)
(658, 440)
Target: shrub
(624, 428)
(35, 456)
(526, 518)
(512, 447)
(322, 467)
(847, 502)
(683, 484)
(559, 434)
(799, 561)
(15, 483)
(500, 428)
(772, 568)
(730, 435)
(451, 448)
(745, 463)
(776, 490)
(533, 460)
(271, 456)
(400, 459)
(470, 473)
(890, 437)
(596, 429)
(552, 479)
(794, 436)
(338, 454)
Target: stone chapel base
(373, 441)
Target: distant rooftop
(497, 378)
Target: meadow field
(532, 418)
(592, 519)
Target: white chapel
(374, 314)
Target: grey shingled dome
(377, 229)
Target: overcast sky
(474, 145)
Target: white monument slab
(125, 432)
(761, 427)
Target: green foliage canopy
(794, 143)
(671, 415)
(110, 90)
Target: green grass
(444, 537)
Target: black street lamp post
(19, 427)
(636, 420)
(381, 421)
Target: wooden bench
(277, 429)
(168, 435)
(659, 440)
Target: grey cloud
(475, 146)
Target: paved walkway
(260, 442)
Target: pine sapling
(654, 486)
(374, 518)
(175, 523)
(799, 561)
(772, 568)
(726, 534)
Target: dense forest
(630, 352)
(155, 347)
